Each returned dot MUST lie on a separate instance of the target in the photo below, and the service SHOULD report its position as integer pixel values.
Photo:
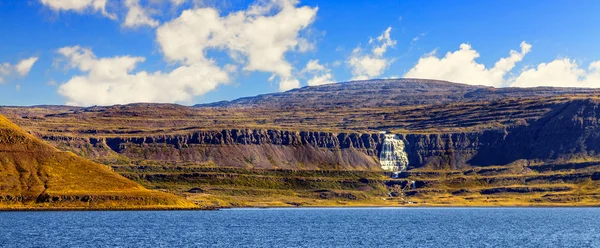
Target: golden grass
(36, 175)
(497, 186)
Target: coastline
(46, 209)
(75, 209)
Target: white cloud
(258, 38)
(560, 73)
(414, 41)
(5, 70)
(314, 66)
(138, 16)
(112, 80)
(20, 69)
(25, 65)
(369, 65)
(320, 74)
(52, 82)
(385, 41)
(79, 6)
(460, 66)
(177, 2)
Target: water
(392, 156)
(329, 227)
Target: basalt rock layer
(442, 125)
(569, 131)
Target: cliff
(569, 131)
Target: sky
(104, 52)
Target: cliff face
(287, 149)
(569, 131)
(240, 148)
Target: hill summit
(390, 92)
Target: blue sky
(554, 43)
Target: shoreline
(45, 209)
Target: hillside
(463, 145)
(390, 92)
(35, 175)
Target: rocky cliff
(569, 131)
(288, 149)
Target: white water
(392, 156)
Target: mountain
(36, 175)
(460, 144)
(389, 92)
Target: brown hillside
(34, 174)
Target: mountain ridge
(389, 92)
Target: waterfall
(392, 156)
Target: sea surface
(306, 227)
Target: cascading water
(392, 156)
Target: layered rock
(287, 149)
(569, 131)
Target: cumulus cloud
(461, 66)
(25, 65)
(385, 40)
(257, 38)
(113, 81)
(138, 16)
(320, 74)
(365, 65)
(560, 73)
(79, 6)
(20, 69)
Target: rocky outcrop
(569, 131)
(240, 148)
(286, 149)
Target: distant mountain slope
(389, 92)
(465, 145)
(34, 174)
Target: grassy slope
(519, 184)
(36, 175)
